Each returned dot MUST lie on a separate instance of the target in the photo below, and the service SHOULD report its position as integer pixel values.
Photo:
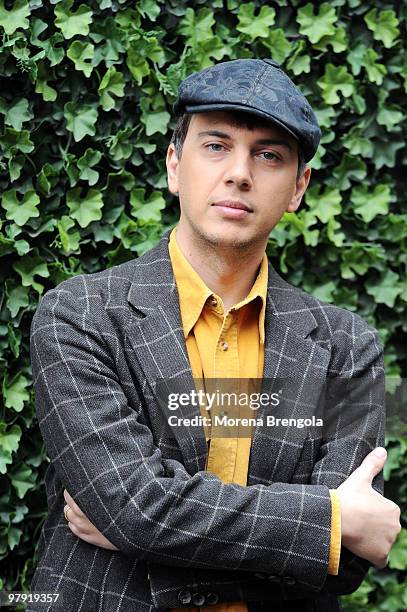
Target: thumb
(372, 464)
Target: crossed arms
(185, 527)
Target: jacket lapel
(157, 339)
(295, 367)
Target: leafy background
(85, 109)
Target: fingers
(73, 505)
(92, 537)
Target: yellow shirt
(229, 345)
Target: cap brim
(201, 108)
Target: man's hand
(370, 522)
(81, 526)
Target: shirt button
(224, 346)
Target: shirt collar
(193, 292)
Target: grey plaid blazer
(99, 342)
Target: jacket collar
(154, 285)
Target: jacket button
(198, 599)
(212, 599)
(289, 580)
(184, 597)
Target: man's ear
(172, 163)
(300, 188)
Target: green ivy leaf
(72, 23)
(16, 113)
(48, 93)
(70, 241)
(85, 163)
(336, 79)
(137, 65)
(20, 211)
(385, 153)
(357, 144)
(316, 26)
(338, 41)
(112, 83)
(149, 8)
(15, 392)
(370, 204)
(146, 209)
(154, 121)
(23, 479)
(386, 289)
(325, 291)
(300, 60)
(54, 54)
(278, 45)
(14, 339)
(13, 537)
(82, 55)
(325, 204)
(14, 140)
(255, 26)
(197, 27)
(375, 71)
(9, 441)
(18, 298)
(390, 117)
(210, 50)
(351, 167)
(80, 119)
(87, 209)
(121, 144)
(48, 177)
(360, 257)
(15, 18)
(398, 552)
(384, 25)
(30, 266)
(355, 58)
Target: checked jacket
(99, 344)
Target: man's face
(255, 170)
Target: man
(167, 519)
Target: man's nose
(239, 170)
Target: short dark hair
(239, 119)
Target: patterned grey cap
(257, 86)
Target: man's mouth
(233, 204)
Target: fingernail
(380, 451)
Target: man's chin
(233, 240)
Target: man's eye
(214, 144)
(271, 155)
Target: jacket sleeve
(355, 426)
(104, 454)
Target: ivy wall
(85, 108)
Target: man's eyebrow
(263, 141)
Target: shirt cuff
(335, 545)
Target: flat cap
(257, 86)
